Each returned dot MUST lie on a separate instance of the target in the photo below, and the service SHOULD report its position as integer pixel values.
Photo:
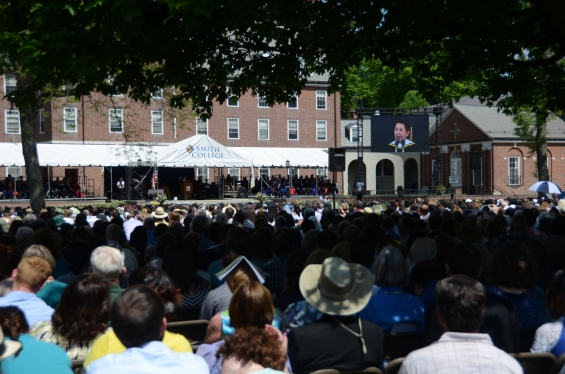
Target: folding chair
(76, 366)
(558, 365)
(535, 363)
(193, 331)
(369, 370)
(393, 367)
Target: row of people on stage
(52, 189)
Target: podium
(186, 190)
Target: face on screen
(400, 132)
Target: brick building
(309, 122)
(484, 155)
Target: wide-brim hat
(159, 213)
(336, 287)
(468, 231)
(8, 347)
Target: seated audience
(80, 317)
(35, 356)
(338, 290)
(138, 319)
(393, 309)
(461, 349)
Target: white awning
(277, 157)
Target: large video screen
(400, 133)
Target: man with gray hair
(108, 262)
(423, 249)
(114, 237)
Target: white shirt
(547, 336)
(121, 184)
(458, 353)
(360, 186)
(130, 225)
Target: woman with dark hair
(513, 271)
(390, 307)
(162, 284)
(80, 317)
(138, 240)
(252, 347)
(179, 264)
(35, 356)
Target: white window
(41, 121)
(322, 172)
(235, 173)
(293, 172)
(116, 118)
(202, 173)
(292, 129)
(456, 167)
(514, 171)
(14, 171)
(321, 130)
(263, 129)
(10, 83)
(111, 83)
(262, 102)
(156, 122)
(70, 119)
(233, 101)
(321, 97)
(157, 94)
(293, 104)
(201, 126)
(233, 128)
(352, 133)
(264, 173)
(12, 121)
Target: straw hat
(336, 287)
(159, 213)
(8, 347)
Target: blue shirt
(52, 292)
(530, 305)
(33, 307)
(37, 356)
(391, 305)
(153, 357)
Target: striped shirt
(75, 350)
(197, 298)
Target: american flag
(154, 180)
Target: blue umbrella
(546, 187)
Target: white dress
(547, 336)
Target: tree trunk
(541, 146)
(28, 117)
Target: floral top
(75, 350)
(300, 314)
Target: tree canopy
(200, 46)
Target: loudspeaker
(336, 159)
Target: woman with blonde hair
(143, 215)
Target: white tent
(277, 157)
(80, 154)
(199, 151)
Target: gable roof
(499, 126)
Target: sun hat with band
(336, 287)
(159, 213)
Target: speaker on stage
(336, 159)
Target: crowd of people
(293, 287)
